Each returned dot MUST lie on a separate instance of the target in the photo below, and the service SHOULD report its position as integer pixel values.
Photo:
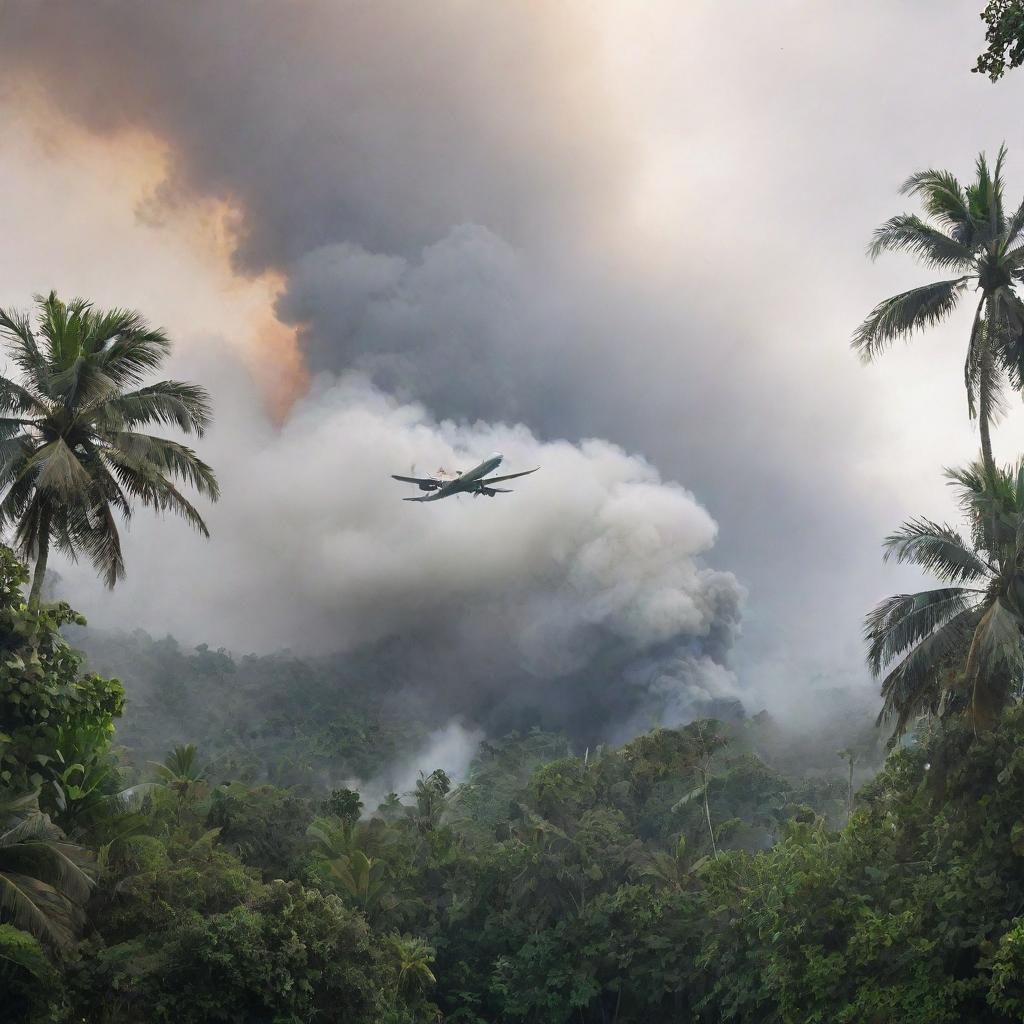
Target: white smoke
(450, 748)
(590, 565)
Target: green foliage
(687, 875)
(961, 647)
(56, 722)
(344, 804)
(286, 954)
(1004, 36)
(289, 721)
(44, 880)
(32, 989)
(265, 826)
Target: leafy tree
(286, 954)
(1004, 34)
(960, 643)
(263, 825)
(71, 453)
(968, 232)
(344, 804)
(563, 789)
(44, 880)
(45, 698)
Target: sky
(623, 242)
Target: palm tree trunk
(42, 554)
(984, 422)
(707, 812)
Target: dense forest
(711, 872)
(190, 835)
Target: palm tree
(968, 233)
(181, 774)
(958, 647)
(431, 795)
(71, 455)
(413, 957)
(334, 838)
(365, 881)
(668, 870)
(43, 879)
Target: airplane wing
(511, 476)
(424, 483)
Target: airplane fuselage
(475, 482)
(466, 481)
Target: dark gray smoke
(382, 125)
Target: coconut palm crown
(968, 235)
(72, 455)
(960, 647)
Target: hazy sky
(518, 225)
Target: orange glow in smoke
(163, 253)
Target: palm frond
(901, 315)
(989, 506)
(943, 199)
(61, 325)
(907, 233)
(994, 198)
(81, 383)
(915, 685)
(168, 402)
(37, 908)
(984, 201)
(996, 655)
(16, 330)
(972, 361)
(102, 543)
(900, 622)
(128, 357)
(1008, 343)
(1014, 226)
(938, 549)
(17, 399)
(43, 878)
(55, 467)
(15, 453)
(148, 454)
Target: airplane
(475, 482)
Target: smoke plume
(522, 227)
